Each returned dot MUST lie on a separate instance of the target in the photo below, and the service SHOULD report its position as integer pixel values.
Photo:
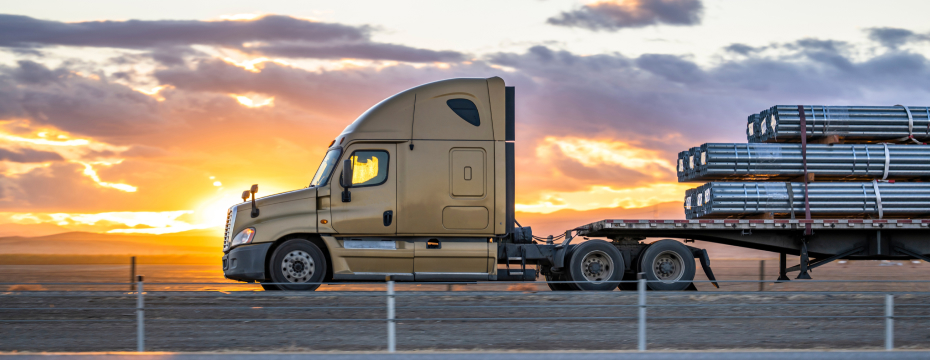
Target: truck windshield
(326, 167)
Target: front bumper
(246, 263)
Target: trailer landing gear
(782, 268)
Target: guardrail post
(761, 275)
(889, 322)
(642, 311)
(132, 274)
(392, 341)
(140, 317)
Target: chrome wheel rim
(298, 266)
(668, 266)
(597, 266)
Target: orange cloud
(598, 152)
(91, 173)
(254, 101)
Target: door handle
(388, 217)
(433, 244)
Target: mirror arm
(255, 210)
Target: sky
(151, 118)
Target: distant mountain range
(85, 243)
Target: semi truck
(421, 187)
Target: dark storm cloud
(24, 31)
(74, 103)
(357, 51)
(655, 95)
(281, 36)
(613, 16)
(741, 49)
(893, 37)
(29, 156)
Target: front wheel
(557, 286)
(297, 265)
(595, 265)
(667, 265)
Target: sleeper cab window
(466, 110)
(369, 167)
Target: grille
(230, 222)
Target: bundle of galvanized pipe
(827, 199)
(782, 123)
(716, 161)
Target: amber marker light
(331, 143)
(324, 221)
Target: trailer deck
(875, 239)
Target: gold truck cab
(417, 188)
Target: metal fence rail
(599, 309)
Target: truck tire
(595, 265)
(667, 265)
(629, 282)
(297, 262)
(557, 286)
(269, 287)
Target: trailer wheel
(595, 265)
(667, 265)
(297, 262)
(629, 282)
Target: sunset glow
(90, 172)
(594, 152)
(599, 197)
(253, 103)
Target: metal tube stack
(781, 123)
(781, 162)
(827, 199)
(774, 154)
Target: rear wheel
(667, 265)
(629, 282)
(297, 265)
(595, 265)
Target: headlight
(243, 237)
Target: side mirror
(346, 173)
(254, 189)
(346, 180)
(245, 195)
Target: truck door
(373, 203)
(367, 223)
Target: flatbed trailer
(829, 240)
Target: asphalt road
(823, 355)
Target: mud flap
(705, 264)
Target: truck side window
(369, 167)
(466, 110)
